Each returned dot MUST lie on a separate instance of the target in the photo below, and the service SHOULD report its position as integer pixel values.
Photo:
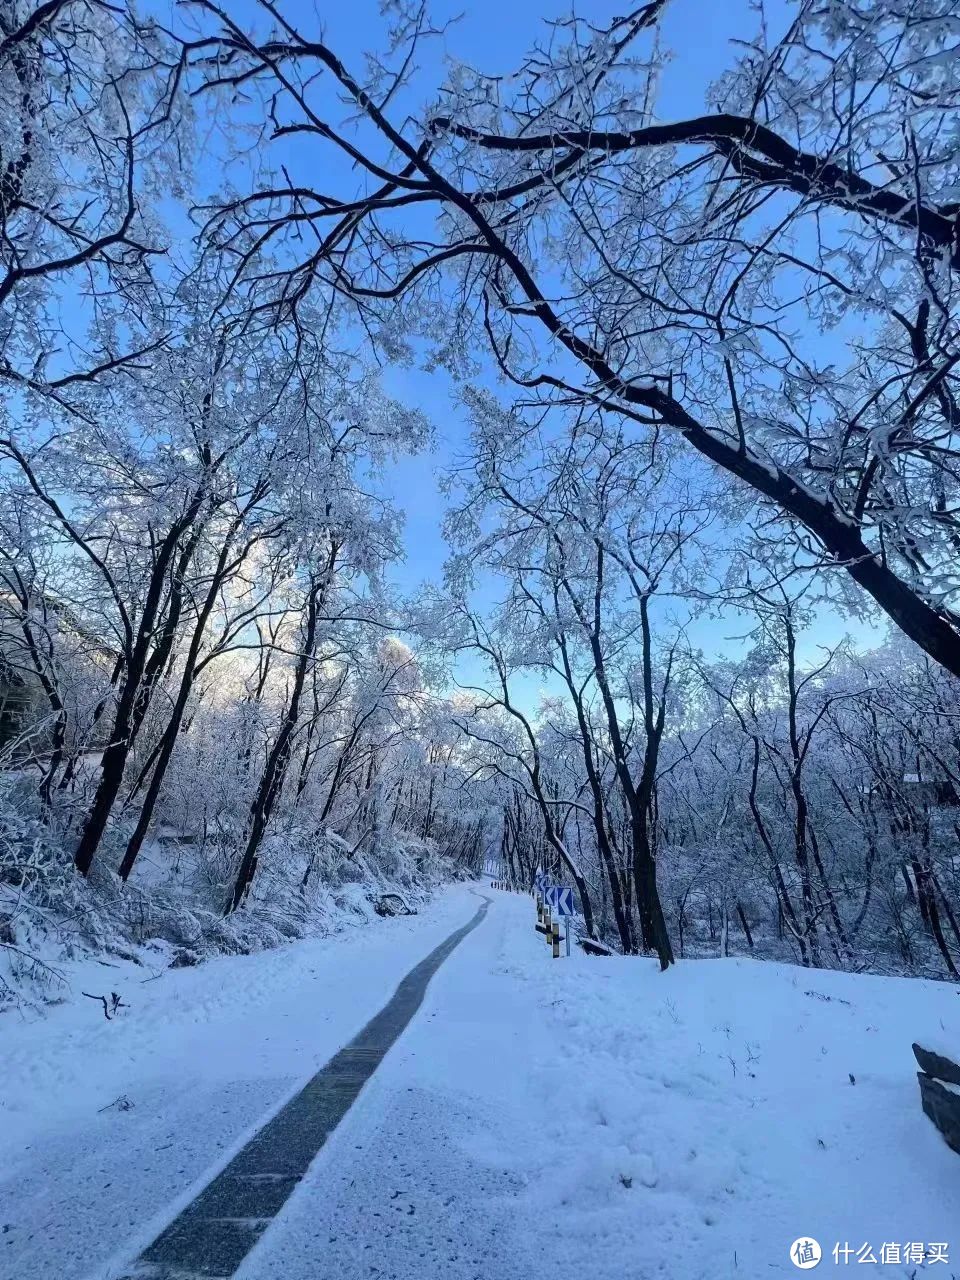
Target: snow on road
(588, 1115)
(612, 1122)
(204, 1055)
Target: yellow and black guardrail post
(556, 901)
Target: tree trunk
(130, 704)
(170, 734)
(741, 916)
(278, 758)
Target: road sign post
(559, 898)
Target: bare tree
(655, 260)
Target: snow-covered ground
(585, 1115)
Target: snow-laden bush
(310, 880)
(40, 903)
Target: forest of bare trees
(707, 369)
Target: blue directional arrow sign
(560, 899)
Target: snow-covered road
(607, 1121)
(588, 1115)
(203, 1056)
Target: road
(422, 1180)
(216, 1231)
(110, 1130)
(594, 1117)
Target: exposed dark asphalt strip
(213, 1235)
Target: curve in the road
(213, 1235)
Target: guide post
(560, 899)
